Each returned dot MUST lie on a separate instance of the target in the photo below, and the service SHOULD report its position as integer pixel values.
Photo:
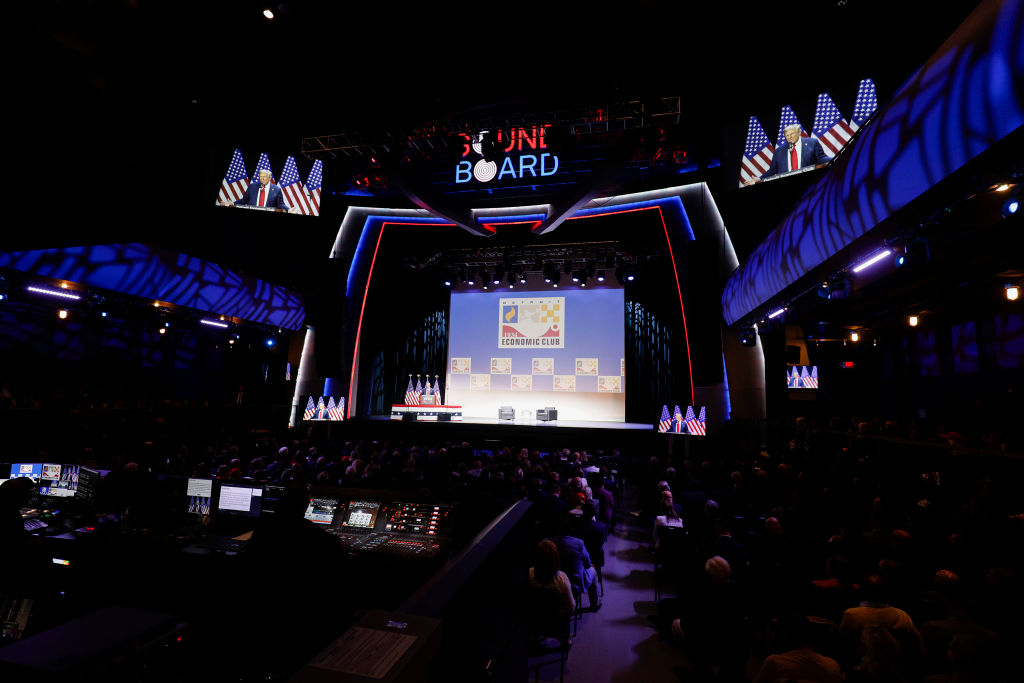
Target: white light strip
(776, 313)
(52, 292)
(214, 323)
(871, 261)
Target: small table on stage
(425, 413)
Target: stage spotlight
(854, 337)
(162, 330)
(1010, 207)
(103, 314)
(62, 314)
(270, 342)
(231, 342)
(912, 321)
(471, 282)
(447, 282)
(600, 276)
(748, 336)
(901, 259)
(499, 275)
(269, 14)
(576, 277)
(1012, 292)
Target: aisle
(618, 643)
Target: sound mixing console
(396, 528)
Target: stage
(533, 422)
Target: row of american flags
(334, 412)
(830, 128)
(305, 196)
(414, 394)
(801, 378)
(676, 423)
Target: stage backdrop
(531, 349)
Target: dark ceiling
(118, 103)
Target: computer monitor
(33, 470)
(240, 499)
(199, 493)
(322, 510)
(361, 514)
(59, 481)
(271, 495)
(88, 485)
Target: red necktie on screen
(262, 191)
(794, 163)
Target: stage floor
(572, 424)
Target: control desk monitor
(199, 493)
(88, 484)
(271, 495)
(33, 470)
(240, 499)
(322, 510)
(59, 481)
(360, 514)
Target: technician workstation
(214, 565)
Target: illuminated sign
(538, 164)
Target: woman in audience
(546, 574)
(669, 516)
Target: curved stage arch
(686, 213)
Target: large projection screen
(532, 349)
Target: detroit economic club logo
(531, 322)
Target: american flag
(235, 182)
(410, 394)
(321, 409)
(788, 118)
(811, 380)
(437, 390)
(334, 411)
(419, 390)
(677, 421)
(310, 410)
(693, 425)
(313, 185)
(263, 163)
(757, 155)
(666, 420)
(866, 104)
(291, 185)
(830, 127)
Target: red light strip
(493, 227)
(675, 271)
(362, 309)
(679, 291)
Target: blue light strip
(369, 228)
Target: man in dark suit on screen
(264, 194)
(795, 153)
